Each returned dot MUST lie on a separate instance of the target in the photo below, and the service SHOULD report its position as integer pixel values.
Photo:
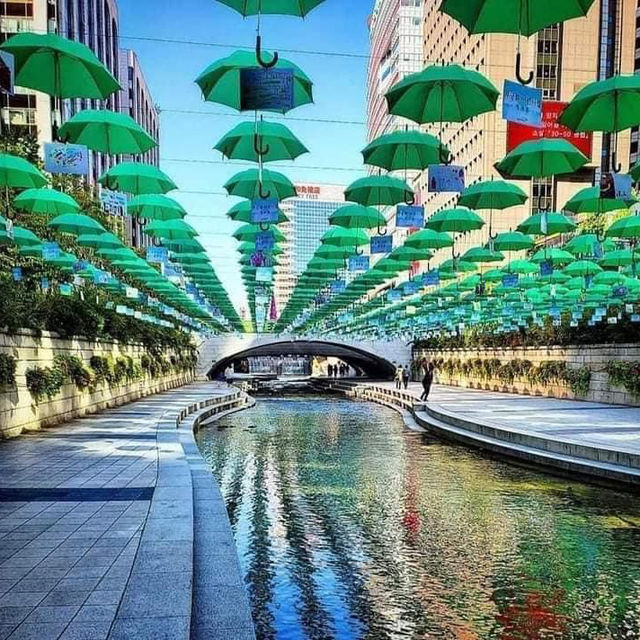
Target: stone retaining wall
(594, 357)
(18, 410)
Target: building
(635, 151)
(564, 58)
(308, 215)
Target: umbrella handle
(264, 226)
(382, 231)
(542, 209)
(263, 194)
(261, 61)
(616, 166)
(408, 200)
(521, 80)
(358, 251)
(444, 159)
(257, 146)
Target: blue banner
(265, 241)
(510, 280)
(446, 178)
(264, 274)
(394, 295)
(522, 104)
(50, 250)
(16, 273)
(66, 158)
(410, 287)
(381, 244)
(80, 265)
(158, 255)
(65, 289)
(266, 89)
(410, 216)
(264, 211)
(359, 263)
(338, 286)
(431, 278)
(44, 284)
(546, 268)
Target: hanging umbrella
(456, 220)
(333, 252)
(482, 255)
(220, 81)
(429, 239)
(241, 212)
(378, 191)
(410, 254)
(588, 200)
(547, 224)
(628, 227)
(355, 216)
(298, 8)
(340, 237)
(582, 268)
(261, 141)
(137, 178)
(587, 244)
(558, 257)
(542, 158)
(442, 93)
(18, 173)
(99, 240)
(512, 241)
(45, 202)
(170, 230)
(248, 233)
(156, 207)
(107, 132)
(458, 266)
(522, 267)
(492, 194)
(59, 67)
(404, 150)
(76, 223)
(249, 184)
(25, 238)
(617, 258)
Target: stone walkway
(74, 501)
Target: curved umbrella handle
(263, 194)
(447, 160)
(257, 145)
(261, 61)
(264, 226)
(540, 208)
(409, 200)
(358, 251)
(616, 166)
(382, 231)
(521, 80)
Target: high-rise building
(635, 137)
(308, 215)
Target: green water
(348, 525)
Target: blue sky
(170, 69)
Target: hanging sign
(66, 158)
(266, 89)
(510, 280)
(265, 241)
(264, 274)
(44, 284)
(7, 72)
(410, 216)
(620, 292)
(522, 104)
(431, 278)
(50, 250)
(615, 185)
(80, 265)
(409, 288)
(16, 273)
(338, 286)
(65, 289)
(359, 263)
(381, 244)
(131, 292)
(546, 268)
(157, 255)
(394, 295)
(100, 277)
(113, 200)
(264, 211)
(8, 229)
(445, 178)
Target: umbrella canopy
(558, 257)
(298, 8)
(355, 216)
(512, 241)
(25, 238)
(339, 237)
(156, 207)
(410, 254)
(170, 230)
(524, 17)
(59, 67)
(587, 245)
(547, 224)
(248, 233)
(429, 239)
(246, 184)
(582, 268)
(404, 150)
(276, 140)
(18, 173)
(482, 255)
(45, 202)
(588, 200)
(542, 158)
(628, 227)
(378, 190)
(241, 212)
(137, 178)
(99, 240)
(455, 220)
(76, 223)
(220, 81)
(606, 105)
(107, 132)
(492, 194)
(617, 258)
(442, 93)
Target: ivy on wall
(7, 370)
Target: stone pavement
(601, 425)
(74, 501)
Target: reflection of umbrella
(265, 141)
(546, 224)
(456, 220)
(588, 200)
(379, 190)
(59, 67)
(45, 201)
(137, 178)
(542, 158)
(404, 150)
(76, 223)
(170, 230)
(248, 184)
(107, 132)
(241, 212)
(355, 216)
(156, 207)
(18, 173)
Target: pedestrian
(405, 377)
(330, 371)
(398, 378)
(427, 381)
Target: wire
(247, 163)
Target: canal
(348, 525)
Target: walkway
(74, 503)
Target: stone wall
(18, 410)
(594, 357)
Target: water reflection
(350, 526)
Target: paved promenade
(74, 503)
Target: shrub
(7, 370)
(624, 374)
(74, 369)
(45, 381)
(119, 370)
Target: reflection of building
(564, 58)
(308, 221)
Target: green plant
(579, 380)
(45, 381)
(624, 374)
(7, 370)
(74, 369)
(119, 370)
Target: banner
(510, 280)
(264, 211)
(445, 178)
(522, 104)
(359, 263)
(615, 185)
(265, 241)
(50, 250)
(66, 158)
(431, 278)
(394, 295)
(16, 273)
(381, 244)
(409, 288)
(266, 89)
(410, 216)
(158, 255)
(338, 286)
(264, 274)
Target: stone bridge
(376, 359)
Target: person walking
(405, 377)
(427, 381)
(398, 378)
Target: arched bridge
(376, 359)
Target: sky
(175, 41)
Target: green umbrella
(332, 252)
(249, 184)
(18, 173)
(99, 240)
(30, 250)
(25, 238)
(107, 132)
(606, 105)
(492, 194)
(298, 8)
(76, 223)
(512, 241)
(458, 266)
(522, 267)
(558, 257)
(429, 239)
(355, 216)
(410, 254)
(248, 233)
(628, 227)
(524, 17)
(170, 230)
(582, 268)
(588, 200)
(182, 245)
(273, 140)
(241, 212)
(59, 67)
(547, 224)
(156, 207)
(482, 255)
(404, 150)
(586, 245)
(340, 237)
(617, 258)
(389, 266)
(542, 158)
(379, 190)
(442, 93)
(455, 220)
(45, 201)
(220, 81)
(192, 258)
(137, 178)
(64, 260)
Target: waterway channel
(350, 526)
